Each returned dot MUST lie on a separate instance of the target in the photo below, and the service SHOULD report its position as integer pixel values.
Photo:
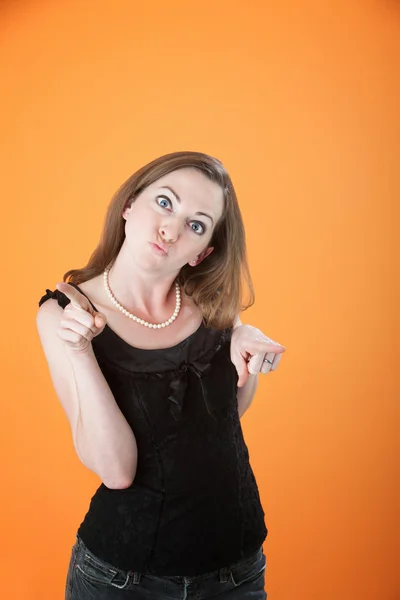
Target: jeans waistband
(223, 573)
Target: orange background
(300, 100)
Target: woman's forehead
(191, 185)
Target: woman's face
(172, 221)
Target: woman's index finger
(77, 299)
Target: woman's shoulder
(92, 288)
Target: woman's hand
(252, 352)
(80, 322)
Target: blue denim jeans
(92, 578)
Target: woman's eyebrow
(166, 187)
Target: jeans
(92, 578)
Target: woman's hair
(216, 284)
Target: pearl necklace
(137, 319)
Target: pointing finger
(256, 346)
(77, 299)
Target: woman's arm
(246, 393)
(103, 439)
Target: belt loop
(136, 577)
(224, 574)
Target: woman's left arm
(252, 353)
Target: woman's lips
(158, 249)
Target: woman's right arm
(103, 439)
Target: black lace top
(194, 504)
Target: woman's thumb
(243, 376)
(241, 369)
(99, 320)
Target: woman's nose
(169, 233)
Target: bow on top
(179, 383)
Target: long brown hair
(216, 284)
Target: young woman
(154, 370)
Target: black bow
(179, 382)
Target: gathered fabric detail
(55, 295)
(179, 382)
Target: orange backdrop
(300, 100)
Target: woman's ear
(126, 212)
(201, 257)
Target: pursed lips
(159, 247)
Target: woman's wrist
(82, 354)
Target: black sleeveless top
(194, 504)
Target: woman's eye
(197, 227)
(167, 202)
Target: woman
(154, 370)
